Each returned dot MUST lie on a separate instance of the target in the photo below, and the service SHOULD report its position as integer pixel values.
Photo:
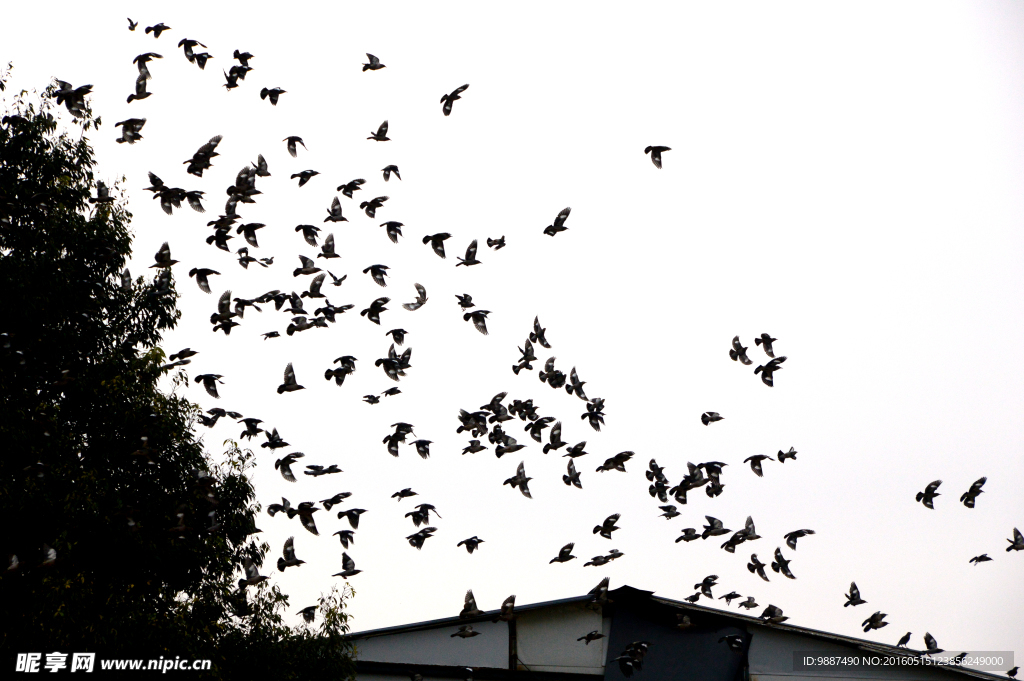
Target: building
(541, 644)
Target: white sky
(845, 176)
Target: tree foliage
(120, 535)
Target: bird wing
(562, 217)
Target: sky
(844, 176)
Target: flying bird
(791, 537)
(520, 480)
(768, 370)
(479, 318)
(273, 93)
(471, 544)
(927, 497)
(449, 99)
(875, 621)
(290, 384)
(853, 598)
(470, 258)
(572, 477)
(738, 352)
(469, 608)
(1017, 543)
(289, 559)
(710, 417)
(348, 567)
(559, 224)
(421, 299)
(968, 497)
(781, 565)
(606, 528)
(381, 135)
(755, 463)
(388, 170)
(284, 465)
(374, 64)
(655, 153)
(977, 560)
(765, 341)
(436, 242)
(156, 30)
(292, 141)
(757, 567)
(564, 554)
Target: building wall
(546, 639)
(436, 646)
(771, 651)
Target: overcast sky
(844, 176)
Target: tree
(121, 536)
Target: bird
(689, 534)
(479, 318)
(210, 382)
(730, 597)
(705, 585)
(592, 636)
(735, 642)
(968, 497)
(1017, 543)
(132, 24)
(417, 539)
(163, 257)
(774, 615)
(377, 272)
(348, 567)
(768, 370)
(305, 176)
(421, 299)
(781, 565)
(289, 559)
(274, 440)
(615, 463)
(791, 537)
(469, 608)
(404, 494)
(874, 621)
(290, 384)
(252, 575)
(471, 544)
(670, 512)
(381, 135)
(188, 44)
(465, 631)
(710, 417)
(308, 613)
(606, 528)
(374, 64)
(249, 230)
(273, 93)
(765, 341)
(130, 130)
(394, 230)
(334, 213)
(465, 301)
(201, 274)
(143, 63)
(308, 267)
(388, 170)
(572, 477)
(755, 463)
(335, 500)
(713, 528)
(316, 471)
(655, 153)
(370, 207)
(352, 515)
(749, 604)
(738, 352)
(1012, 673)
(140, 90)
(977, 560)
(756, 566)
(558, 226)
(474, 447)
(927, 497)
(327, 250)
(436, 242)
(284, 465)
(448, 99)
(564, 554)
(496, 244)
(346, 537)
(156, 30)
(930, 644)
(292, 141)
(350, 187)
(791, 454)
(470, 258)
(853, 598)
(373, 311)
(520, 480)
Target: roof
(646, 601)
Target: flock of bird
(490, 421)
